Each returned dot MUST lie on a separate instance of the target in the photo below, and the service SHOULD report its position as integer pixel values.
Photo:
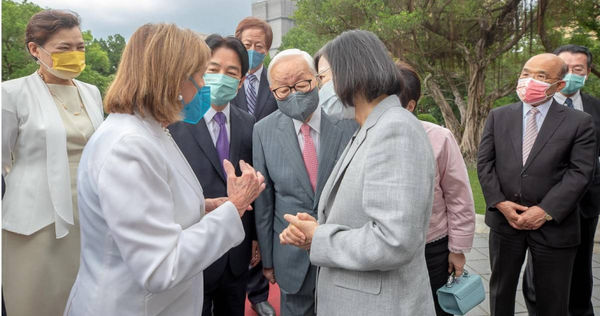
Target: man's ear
(560, 86)
(241, 82)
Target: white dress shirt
(213, 126)
(315, 127)
(539, 119)
(258, 74)
(576, 98)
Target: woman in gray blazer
(374, 211)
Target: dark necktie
(569, 103)
(251, 95)
(222, 140)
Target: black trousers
(507, 253)
(228, 297)
(436, 256)
(582, 279)
(258, 285)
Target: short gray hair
(291, 52)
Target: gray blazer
(277, 155)
(374, 214)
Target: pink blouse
(453, 212)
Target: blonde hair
(156, 61)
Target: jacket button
(524, 176)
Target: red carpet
(273, 299)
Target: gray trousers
(301, 303)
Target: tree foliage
(102, 56)
(468, 52)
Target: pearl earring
(179, 97)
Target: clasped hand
(531, 218)
(300, 231)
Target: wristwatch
(548, 217)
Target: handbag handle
(454, 280)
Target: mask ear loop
(195, 84)
(545, 91)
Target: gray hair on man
(291, 52)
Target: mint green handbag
(461, 294)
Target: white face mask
(332, 105)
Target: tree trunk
(477, 111)
(449, 118)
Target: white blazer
(38, 183)
(144, 237)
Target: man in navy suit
(256, 98)
(225, 132)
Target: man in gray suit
(295, 148)
(373, 214)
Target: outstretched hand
(244, 189)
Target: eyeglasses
(300, 86)
(537, 76)
(321, 74)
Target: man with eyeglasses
(579, 61)
(295, 148)
(535, 160)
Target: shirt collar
(561, 98)
(210, 114)
(543, 108)
(314, 122)
(258, 73)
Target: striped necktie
(569, 103)
(531, 132)
(251, 95)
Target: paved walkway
(478, 262)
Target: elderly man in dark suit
(255, 98)
(579, 61)
(536, 159)
(225, 132)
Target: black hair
(360, 64)
(576, 49)
(215, 41)
(412, 84)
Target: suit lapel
(356, 141)
(263, 93)
(292, 153)
(330, 138)
(240, 99)
(516, 134)
(553, 119)
(235, 136)
(202, 137)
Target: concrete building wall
(278, 14)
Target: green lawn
(476, 188)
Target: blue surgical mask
(255, 58)
(223, 88)
(299, 105)
(574, 83)
(195, 110)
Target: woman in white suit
(147, 233)
(47, 118)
